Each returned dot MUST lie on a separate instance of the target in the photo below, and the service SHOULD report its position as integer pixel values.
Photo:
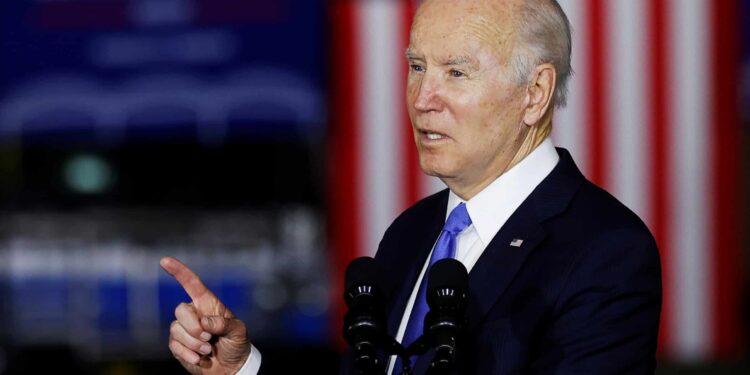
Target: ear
(539, 93)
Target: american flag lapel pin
(517, 242)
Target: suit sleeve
(606, 319)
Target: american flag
(652, 117)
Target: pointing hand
(206, 337)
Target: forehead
(447, 23)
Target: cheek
(411, 89)
(495, 127)
(413, 82)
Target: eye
(456, 73)
(416, 68)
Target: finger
(229, 327)
(187, 316)
(186, 277)
(183, 353)
(178, 333)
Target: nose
(427, 92)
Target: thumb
(229, 327)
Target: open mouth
(433, 136)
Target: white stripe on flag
(571, 122)
(431, 185)
(628, 117)
(381, 156)
(690, 49)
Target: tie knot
(458, 220)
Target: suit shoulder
(600, 211)
(425, 207)
(424, 210)
(596, 224)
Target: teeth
(434, 136)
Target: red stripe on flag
(343, 173)
(412, 173)
(726, 160)
(598, 108)
(660, 146)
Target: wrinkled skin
(206, 337)
(469, 114)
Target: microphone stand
(418, 347)
(442, 362)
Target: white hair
(544, 36)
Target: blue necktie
(445, 247)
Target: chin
(435, 169)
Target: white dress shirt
(488, 210)
(252, 364)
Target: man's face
(465, 109)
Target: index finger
(186, 277)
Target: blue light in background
(88, 174)
(162, 70)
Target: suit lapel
(500, 262)
(413, 252)
(504, 256)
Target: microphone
(447, 297)
(365, 321)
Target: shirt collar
(491, 207)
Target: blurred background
(265, 144)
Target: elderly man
(563, 278)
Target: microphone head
(448, 280)
(363, 270)
(363, 285)
(365, 320)
(445, 323)
(448, 273)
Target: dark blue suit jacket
(582, 295)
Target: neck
(534, 137)
(538, 133)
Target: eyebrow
(411, 55)
(458, 60)
(452, 61)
